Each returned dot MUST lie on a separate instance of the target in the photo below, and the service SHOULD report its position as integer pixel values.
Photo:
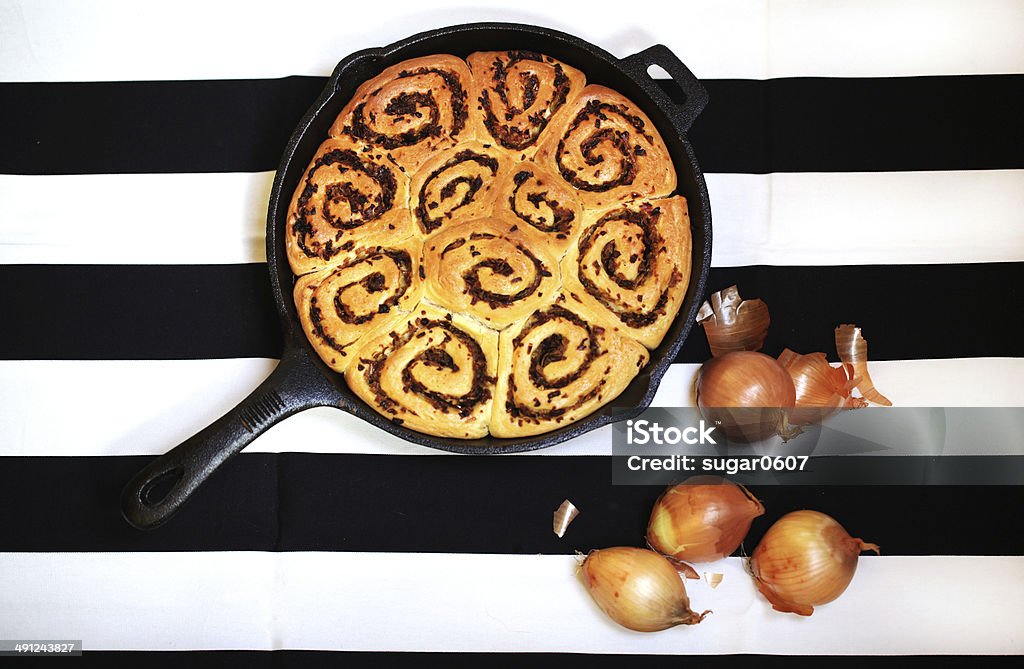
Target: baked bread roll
(410, 110)
(556, 367)
(608, 150)
(494, 270)
(433, 372)
(539, 198)
(345, 197)
(630, 267)
(455, 184)
(372, 288)
(516, 94)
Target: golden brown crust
(494, 270)
(371, 289)
(532, 195)
(455, 185)
(433, 372)
(488, 246)
(411, 110)
(609, 150)
(556, 367)
(516, 95)
(630, 267)
(345, 197)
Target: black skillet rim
(665, 118)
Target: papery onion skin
(638, 589)
(747, 395)
(702, 519)
(821, 389)
(685, 569)
(804, 560)
(853, 351)
(732, 323)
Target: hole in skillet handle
(155, 490)
(684, 110)
(657, 72)
(156, 493)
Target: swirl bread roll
(410, 110)
(345, 197)
(609, 150)
(371, 289)
(556, 367)
(516, 94)
(533, 195)
(455, 185)
(493, 270)
(630, 267)
(433, 372)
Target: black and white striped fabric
(865, 163)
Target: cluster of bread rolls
(488, 245)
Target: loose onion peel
(732, 323)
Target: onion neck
(688, 617)
(862, 546)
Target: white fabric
(772, 219)
(512, 603)
(190, 219)
(739, 39)
(146, 407)
(867, 218)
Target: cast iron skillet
(302, 381)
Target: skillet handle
(696, 98)
(158, 491)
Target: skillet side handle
(158, 491)
(696, 97)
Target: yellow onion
(638, 589)
(805, 559)
(821, 389)
(747, 395)
(702, 519)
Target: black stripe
(284, 659)
(776, 125)
(444, 503)
(159, 126)
(126, 312)
(862, 125)
(907, 312)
